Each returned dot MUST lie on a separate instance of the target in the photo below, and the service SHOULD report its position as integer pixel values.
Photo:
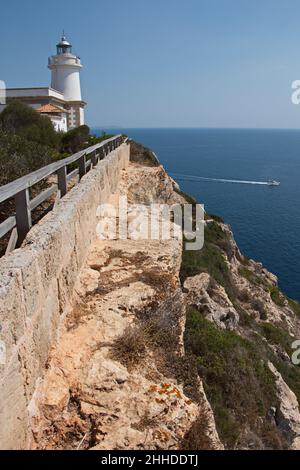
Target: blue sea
(265, 220)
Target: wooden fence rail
(20, 223)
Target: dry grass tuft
(131, 348)
(196, 438)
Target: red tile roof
(50, 109)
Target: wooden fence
(20, 223)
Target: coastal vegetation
(239, 385)
(142, 155)
(26, 123)
(210, 259)
(19, 156)
(233, 364)
(28, 141)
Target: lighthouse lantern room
(64, 47)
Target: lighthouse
(62, 101)
(65, 78)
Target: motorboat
(273, 183)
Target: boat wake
(220, 180)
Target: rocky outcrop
(216, 307)
(152, 185)
(287, 415)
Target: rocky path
(109, 382)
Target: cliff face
(171, 349)
(241, 329)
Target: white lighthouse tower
(65, 69)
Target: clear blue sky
(164, 63)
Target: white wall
(32, 93)
(67, 81)
(81, 116)
(65, 78)
(59, 122)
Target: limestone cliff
(171, 349)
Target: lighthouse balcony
(64, 59)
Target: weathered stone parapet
(36, 287)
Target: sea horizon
(97, 128)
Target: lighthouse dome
(64, 47)
(64, 42)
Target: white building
(57, 115)
(64, 94)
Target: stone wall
(36, 287)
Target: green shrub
(246, 319)
(276, 335)
(142, 155)
(93, 140)
(22, 120)
(295, 306)
(238, 383)
(189, 199)
(19, 157)
(277, 297)
(210, 259)
(216, 218)
(290, 374)
(215, 234)
(250, 276)
(73, 140)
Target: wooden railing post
(23, 214)
(82, 166)
(62, 181)
(94, 158)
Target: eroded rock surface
(114, 379)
